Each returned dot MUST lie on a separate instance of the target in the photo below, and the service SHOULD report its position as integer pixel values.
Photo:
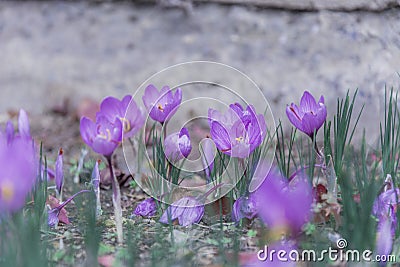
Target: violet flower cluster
(162, 105)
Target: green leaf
(105, 249)
(252, 233)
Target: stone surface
(312, 5)
(53, 50)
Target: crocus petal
(254, 133)
(227, 119)
(177, 145)
(126, 100)
(309, 124)
(103, 136)
(244, 207)
(191, 215)
(88, 130)
(220, 136)
(293, 116)
(299, 191)
(185, 146)
(18, 173)
(150, 96)
(238, 131)
(103, 147)
(288, 204)
(262, 125)
(307, 103)
(135, 116)
(9, 132)
(321, 100)
(173, 212)
(187, 210)
(236, 214)
(237, 108)
(125, 110)
(59, 177)
(23, 124)
(110, 107)
(146, 208)
(384, 238)
(171, 147)
(52, 217)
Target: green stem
(116, 202)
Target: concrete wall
(53, 50)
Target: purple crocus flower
(126, 110)
(384, 208)
(244, 207)
(384, 237)
(102, 136)
(188, 210)
(237, 132)
(177, 145)
(146, 208)
(288, 205)
(59, 177)
(52, 214)
(17, 178)
(18, 166)
(161, 105)
(309, 116)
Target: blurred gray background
(54, 50)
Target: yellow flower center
(277, 232)
(239, 139)
(7, 191)
(160, 107)
(106, 136)
(125, 124)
